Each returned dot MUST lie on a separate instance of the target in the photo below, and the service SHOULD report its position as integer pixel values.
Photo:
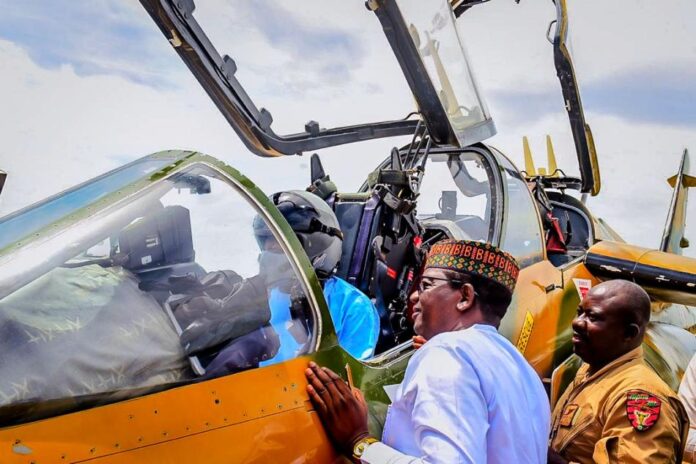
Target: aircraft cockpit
(132, 290)
(476, 193)
(152, 276)
(457, 196)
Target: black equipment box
(161, 239)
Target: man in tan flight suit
(617, 410)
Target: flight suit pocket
(568, 415)
(574, 421)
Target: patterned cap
(478, 258)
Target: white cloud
(508, 42)
(60, 126)
(630, 34)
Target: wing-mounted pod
(216, 74)
(665, 276)
(673, 240)
(582, 135)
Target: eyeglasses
(422, 288)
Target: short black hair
(494, 298)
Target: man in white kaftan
(468, 395)
(452, 406)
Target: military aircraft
(95, 282)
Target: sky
(87, 85)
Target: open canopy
(432, 56)
(582, 135)
(425, 41)
(560, 33)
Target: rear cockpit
(457, 195)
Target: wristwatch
(360, 447)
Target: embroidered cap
(478, 258)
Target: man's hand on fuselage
(342, 411)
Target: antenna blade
(316, 168)
(528, 160)
(553, 167)
(396, 160)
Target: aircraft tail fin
(673, 240)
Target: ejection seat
(575, 225)
(381, 240)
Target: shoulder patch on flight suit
(568, 415)
(643, 409)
